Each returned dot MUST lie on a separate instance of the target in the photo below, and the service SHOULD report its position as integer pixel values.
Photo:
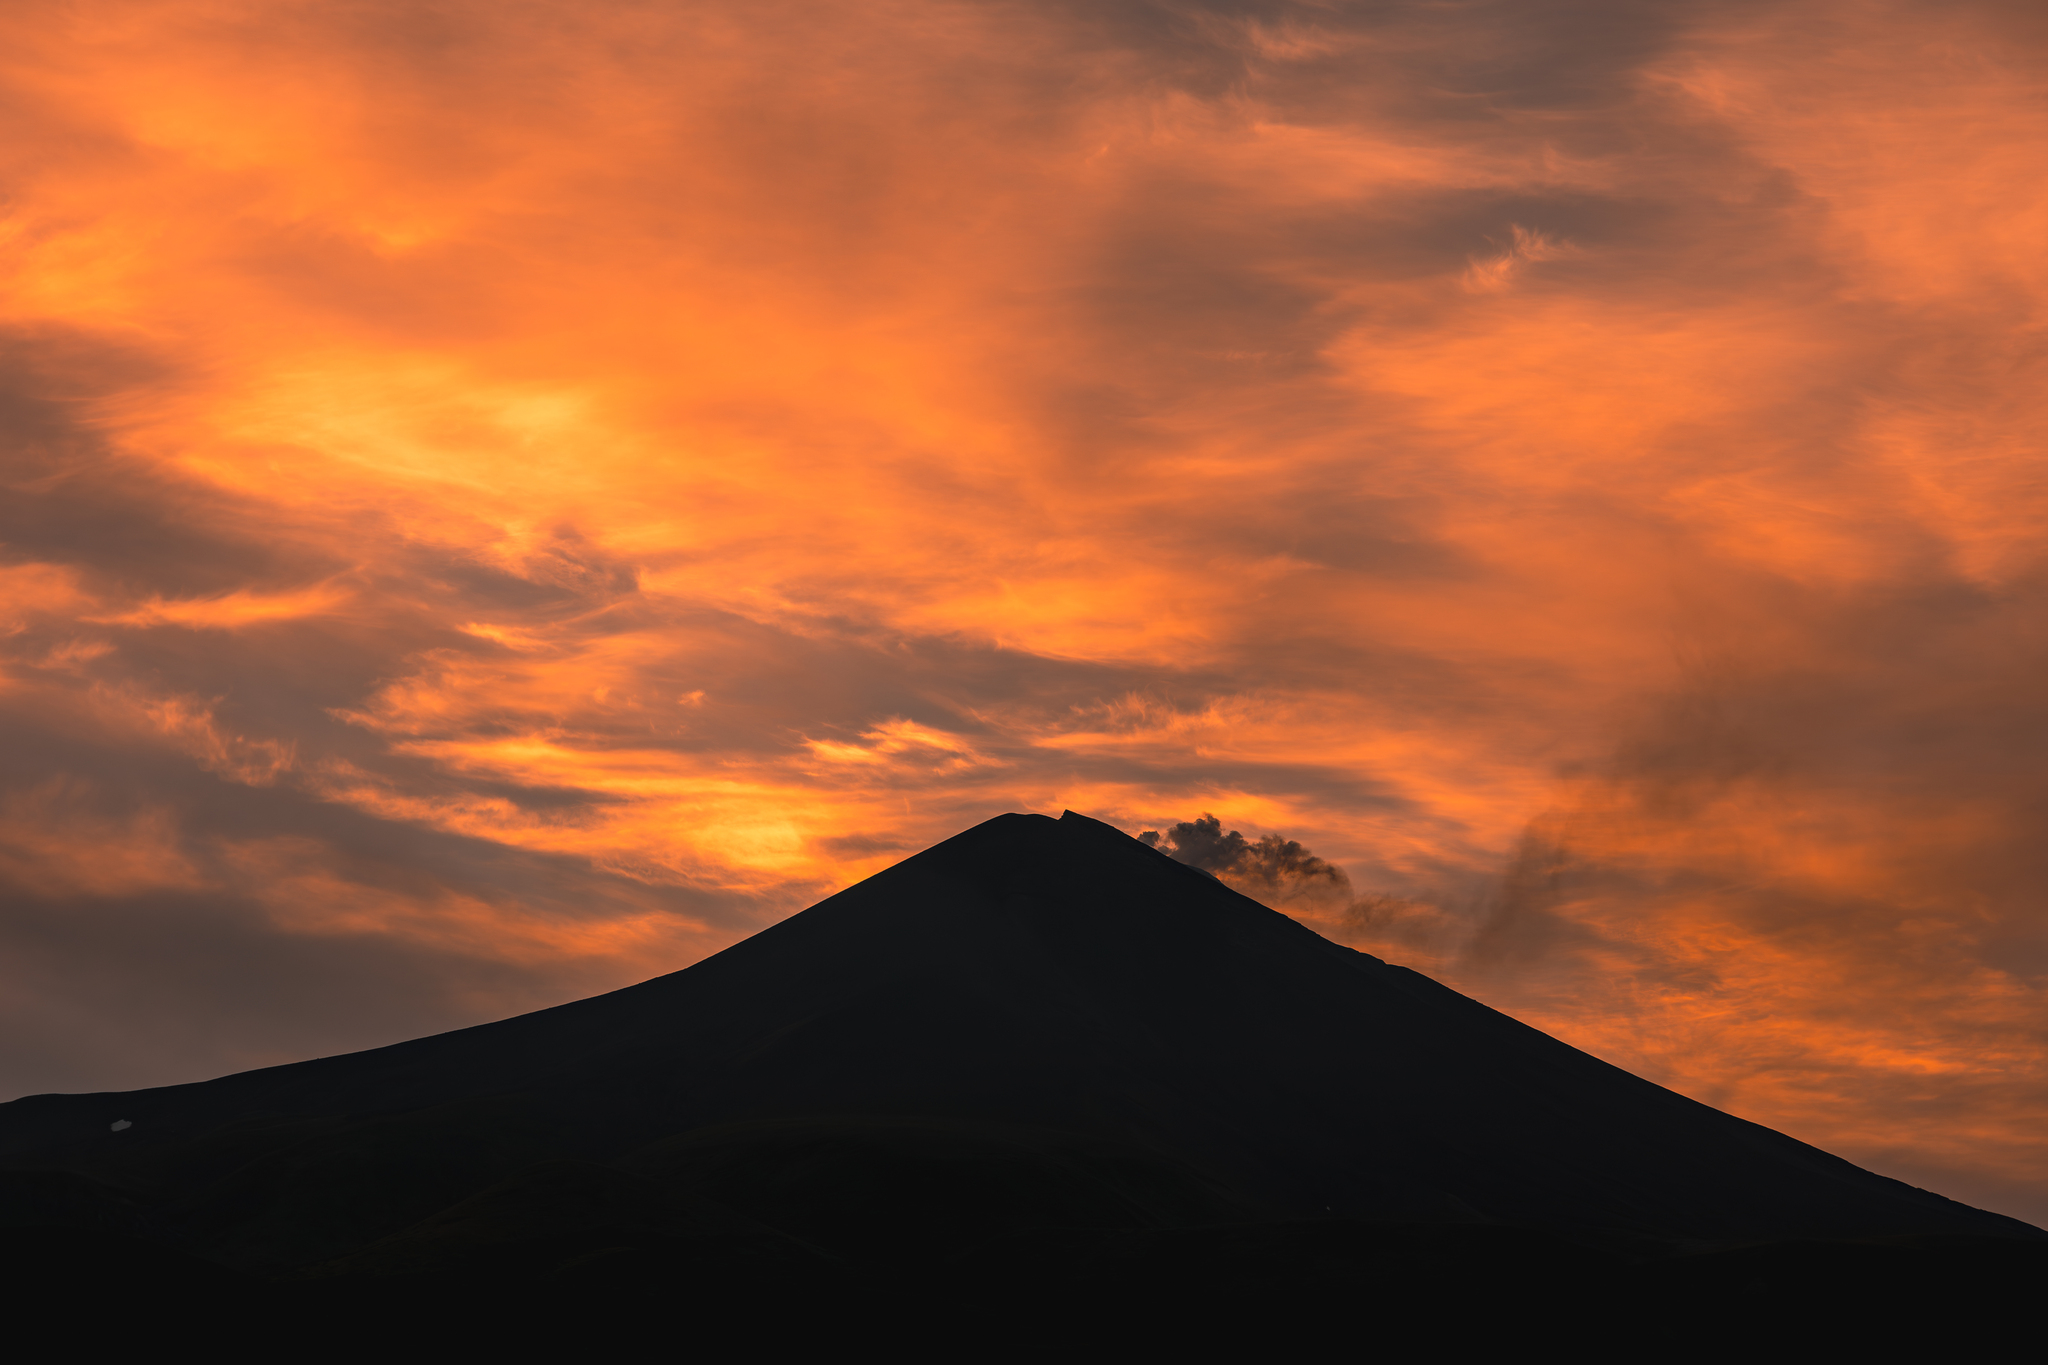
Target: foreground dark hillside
(933, 1237)
(1038, 1064)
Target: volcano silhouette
(1035, 1027)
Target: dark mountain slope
(1032, 995)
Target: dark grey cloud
(1203, 842)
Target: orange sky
(504, 499)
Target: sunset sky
(504, 498)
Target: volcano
(1039, 1040)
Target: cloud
(1286, 876)
(230, 610)
(1202, 843)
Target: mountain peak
(1050, 976)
